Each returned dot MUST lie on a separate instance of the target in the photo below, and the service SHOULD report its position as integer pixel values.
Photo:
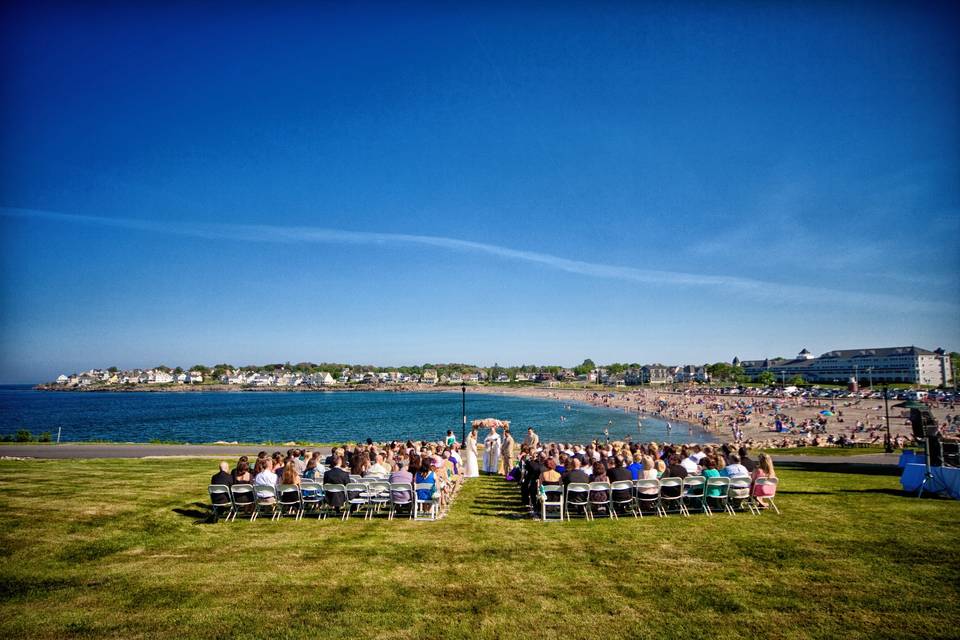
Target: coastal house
(180, 378)
(692, 373)
(195, 377)
(471, 377)
(429, 376)
(503, 378)
(86, 379)
(658, 374)
(62, 379)
(159, 376)
(324, 379)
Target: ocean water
(317, 417)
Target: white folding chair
(221, 492)
(401, 495)
(551, 498)
(357, 498)
(716, 489)
(243, 498)
(378, 493)
(621, 495)
(600, 497)
(648, 495)
(578, 497)
(693, 494)
(311, 496)
(772, 483)
(738, 495)
(266, 500)
(289, 501)
(335, 500)
(671, 495)
(421, 504)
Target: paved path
(232, 451)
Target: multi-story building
(887, 364)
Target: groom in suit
(506, 452)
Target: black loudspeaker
(951, 454)
(935, 451)
(923, 423)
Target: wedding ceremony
(479, 321)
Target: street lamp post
(463, 411)
(888, 445)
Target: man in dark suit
(222, 477)
(575, 474)
(535, 467)
(336, 475)
(745, 460)
(618, 473)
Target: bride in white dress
(470, 464)
(491, 451)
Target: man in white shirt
(697, 454)
(378, 468)
(267, 476)
(690, 464)
(735, 468)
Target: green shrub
(45, 437)
(24, 436)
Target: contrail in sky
(771, 291)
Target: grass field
(121, 548)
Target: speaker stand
(927, 473)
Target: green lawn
(119, 548)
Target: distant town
(911, 365)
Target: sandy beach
(861, 419)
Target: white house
(180, 378)
(429, 377)
(195, 377)
(62, 379)
(158, 376)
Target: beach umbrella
(827, 412)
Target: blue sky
(670, 182)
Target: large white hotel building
(888, 364)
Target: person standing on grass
(507, 451)
(532, 439)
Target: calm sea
(316, 417)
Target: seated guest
(551, 475)
(675, 469)
(764, 470)
(650, 470)
(618, 472)
(290, 475)
(425, 475)
(691, 464)
(599, 475)
(241, 475)
(241, 460)
(266, 475)
(312, 472)
(300, 461)
(636, 467)
(222, 477)
(399, 475)
(378, 468)
(710, 471)
(575, 474)
(735, 468)
(336, 475)
(745, 459)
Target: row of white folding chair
(370, 496)
(692, 491)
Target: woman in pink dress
(764, 470)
